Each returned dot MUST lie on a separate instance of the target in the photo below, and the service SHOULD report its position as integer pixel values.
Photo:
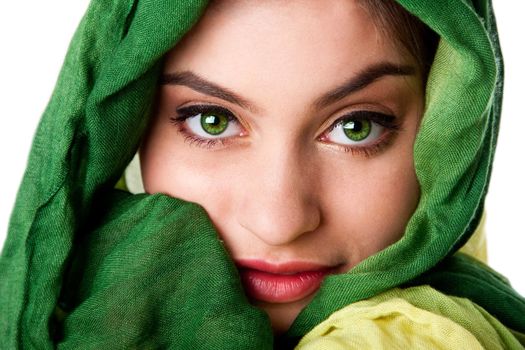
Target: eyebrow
(197, 83)
(361, 80)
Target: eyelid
(186, 115)
(389, 124)
(193, 110)
(387, 120)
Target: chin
(282, 315)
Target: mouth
(282, 283)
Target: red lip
(282, 283)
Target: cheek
(373, 211)
(202, 180)
(178, 174)
(169, 166)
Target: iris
(214, 123)
(357, 130)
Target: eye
(353, 131)
(209, 122)
(360, 129)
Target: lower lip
(280, 288)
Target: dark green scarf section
(87, 266)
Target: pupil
(357, 130)
(214, 124)
(354, 126)
(212, 120)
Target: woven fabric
(88, 266)
(413, 318)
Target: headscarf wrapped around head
(86, 264)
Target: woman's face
(292, 123)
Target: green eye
(357, 130)
(214, 123)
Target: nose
(279, 204)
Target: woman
(307, 169)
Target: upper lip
(284, 268)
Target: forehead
(282, 47)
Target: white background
(34, 36)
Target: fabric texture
(413, 318)
(88, 266)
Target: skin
(281, 189)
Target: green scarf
(88, 266)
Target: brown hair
(408, 30)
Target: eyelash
(388, 122)
(186, 113)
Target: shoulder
(415, 317)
